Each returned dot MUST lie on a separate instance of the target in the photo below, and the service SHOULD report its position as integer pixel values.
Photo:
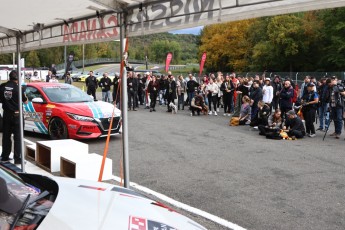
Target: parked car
(31, 201)
(64, 111)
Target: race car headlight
(79, 117)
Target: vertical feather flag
(202, 62)
(167, 62)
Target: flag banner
(167, 61)
(202, 62)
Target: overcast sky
(194, 30)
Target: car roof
(44, 84)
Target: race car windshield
(66, 94)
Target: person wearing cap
(309, 102)
(9, 96)
(267, 91)
(294, 125)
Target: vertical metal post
(124, 105)
(83, 57)
(13, 60)
(21, 133)
(65, 58)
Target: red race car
(64, 111)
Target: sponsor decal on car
(138, 223)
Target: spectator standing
(153, 89)
(277, 87)
(49, 76)
(192, 86)
(227, 88)
(309, 101)
(324, 99)
(91, 85)
(304, 86)
(171, 91)
(267, 91)
(11, 120)
(105, 84)
(53, 79)
(212, 94)
(133, 86)
(181, 89)
(35, 77)
(286, 95)
(162, 89)
(337, 106)
(255, 96)
(68, 79)
(116, 89)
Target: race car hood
(92, 205)
(97, 109)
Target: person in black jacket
(277, 87)
(133, 86)
(105, 84)
(91, 85)
(294, 125)
(286, 95)
(116, 89)
(324, 99)
(192, 86)
(11, 121)
(153, 89)
(255, 96)
(162, 89)
(171, 91)
(309, 103)
(261, 118)
(227, 87)
(49, 76)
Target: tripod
(329, 124)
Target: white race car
(30, 201)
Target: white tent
(48, 23)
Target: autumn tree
(226, 46)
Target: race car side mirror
(37, 100)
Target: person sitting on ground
(275, 123)
(245, 113)
(198, 104)
(261, 117)
(294, 125)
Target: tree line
(310, 41)
(155, 46)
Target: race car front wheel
(57, 129)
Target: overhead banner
(150, 17)
(167, 61)
(202, 62)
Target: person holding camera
(337, 105)
(310, 101)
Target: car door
(34, 112)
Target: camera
(341, 86)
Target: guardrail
(96, 61)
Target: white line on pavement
(188, 208)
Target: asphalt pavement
(234, 173)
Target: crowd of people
(269, 105)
